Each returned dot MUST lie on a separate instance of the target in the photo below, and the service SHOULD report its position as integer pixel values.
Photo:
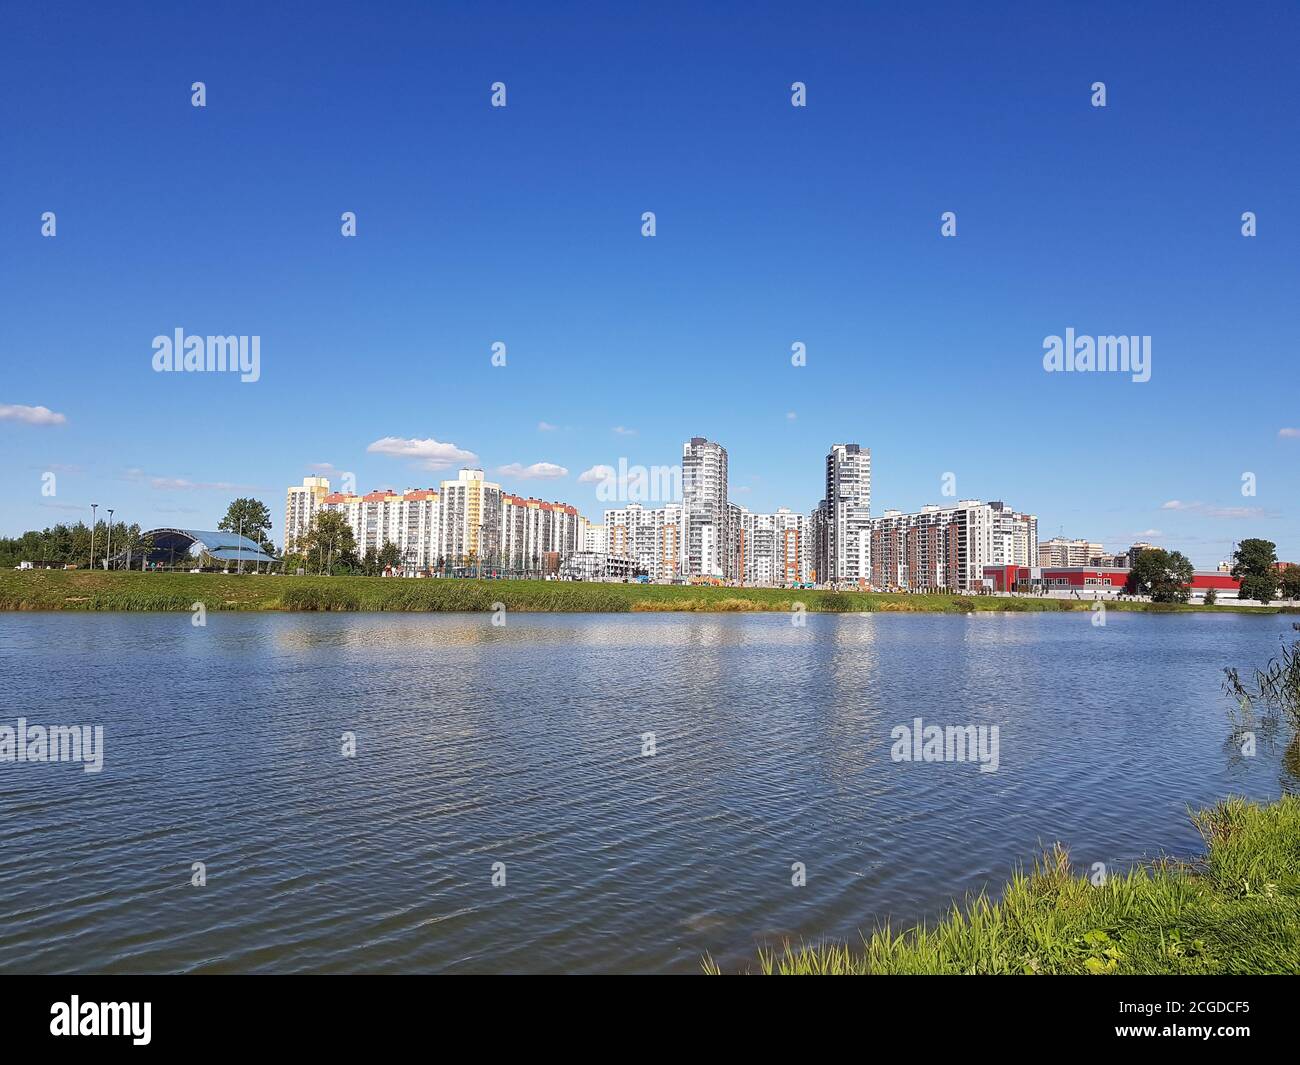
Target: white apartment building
(1015, 537)
(1059, 551)
(773, 549)
(652, 538)
(466, 519)
(537, 535)
(300, 507)
(848, 513)
(591, 536)
(708, 549)
(409, 520)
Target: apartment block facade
(846, 537)
(470, 519)
(773, 549)
(537, 535)
(1015, 536)
(652, 538)
(1059, 551)
(708, 541)
(947, 547)
(407, 519)
(464, 520)
(301, 505)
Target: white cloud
(431, 454)
(537, 471)
(597, 474)
(1214, 512)
(1289, 434)
(1150, 532)
(16, 412)
(1235, 512)
(623, 430)
(546, 427)
(181, 484)
(790, 415)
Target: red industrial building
(1092, 579)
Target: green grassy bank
(98, 590)
(1237, 911)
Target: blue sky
(775, 224)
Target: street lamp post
(108, 554)
(93, 508)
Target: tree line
(69, 544)
(1166, 576)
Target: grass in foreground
(98, 590)
(1238, 911)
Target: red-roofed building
(536, 535)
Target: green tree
(136, 546)
(329, 542)
(252, 517)
(389, 557)
(1290, 582)
(1253, 564)
(1166, 576)
(1211, 597)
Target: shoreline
(123, 592)
(1233, 910)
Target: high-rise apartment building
(408, 520)
(537, 535)
(300, 507)
(469, 519)
(709, 543)
(847, 538)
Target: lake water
(523, 745)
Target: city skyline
(675, 523)
(594, 514)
